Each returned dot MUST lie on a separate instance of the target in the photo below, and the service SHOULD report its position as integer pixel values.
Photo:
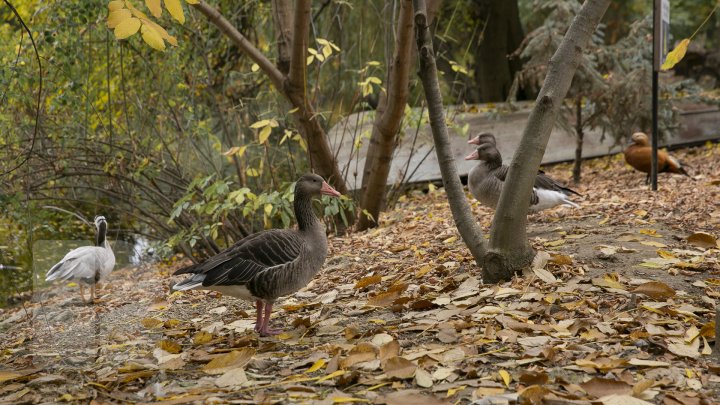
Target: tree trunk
(292, 85)
(501, 36)
(282, 12)
(508, 237)
(467, 226)
(577, 166)
(388, 118)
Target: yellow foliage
(152, 38)
(175, 9)
(127, 28)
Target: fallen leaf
(228, 361)
(703, 240)
(600, 387)
(170, 346)
(232, 378)
(368, 281)
(423, 378)
(399, 367)
(656, 290)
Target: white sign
(661, 32)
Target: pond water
(17, 281)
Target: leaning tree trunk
(291, 86)
(509, 248)
(467, 226)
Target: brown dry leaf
(622, 400)
(389, 349)
(600, 387)
(399, 367)
(384, 299)
(7, 375)
(642, 386)
(681, 348)
(413, 397)
(232, 378)
(363, 351)
(229, 361)
(533, 394)
(656, 290)
(170, 346)
(368, 281)
(703, 240)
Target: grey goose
(270, 264)
(486, 180)
(86, 264)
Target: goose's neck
(100, 235)
(304, 213)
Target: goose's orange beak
(329, 190)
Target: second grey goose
(486, 180)
(86, 264)
(267, 265)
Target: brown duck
(638, 154)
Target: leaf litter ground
(618, 309)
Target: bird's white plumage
(550, 198)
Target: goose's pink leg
(82, 292)
(259, 315)
(265, 330)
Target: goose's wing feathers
(82, 262)
(241, 262)
(500, 173)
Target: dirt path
(398, 316)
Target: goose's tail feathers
(190, 283)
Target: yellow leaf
(154, 7)
(331, 375)
(175, 9)
(453, 391)
(665, 254)
(345, 400)
(255, 67)
(505, 377)
(232, 151)
(137, 13)
(676, 55)
(316, 366)
(116, 5)
(202, 337)
(604, 221)
(72, 284)
(650, 232)
(653, 243)
(151, 323)
(192, 1)
(152, 38)
(368, 281)
(268, 209)
(117, 16)
(252, 172)
(127, 27)
(264, 134)
(170, 346)
(260, 124)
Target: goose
(638, 155)
(485, 137)
(267, 265)
(486, 180)
(86, 264)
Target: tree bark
(501, 36)
(282, 12)
(291, 86)
(388, 118)
(508, 236)
(467, 226)
(580, 135)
